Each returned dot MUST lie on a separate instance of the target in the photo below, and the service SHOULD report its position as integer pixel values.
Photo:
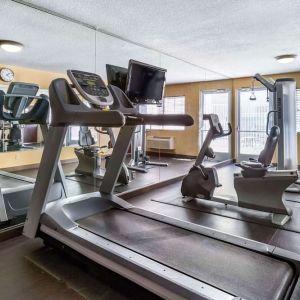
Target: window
(252, 120)
(171, 105)
(72, 135)
(217, 102)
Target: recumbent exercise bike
(257, 186)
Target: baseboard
(11, 232)
(224, 163)
(169, 154)
(35, 166)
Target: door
(217, 102)
(251, 123)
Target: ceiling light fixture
(286, 58)
(11, 46)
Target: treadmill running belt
(230, 268)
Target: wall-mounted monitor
(145, 83)
(116, 76)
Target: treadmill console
(23, 89)
(91, 87)
(19, 96)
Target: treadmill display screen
(23, 89)
(145, 83)
(91, 84)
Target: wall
(31, 157)
(42, 78)
(17, 159)
(187, 141)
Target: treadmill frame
(54, 220)
(6, 211)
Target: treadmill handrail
(123, 104)
(64, 101)
(37, 115)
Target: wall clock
(7, 74)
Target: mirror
(51, 46)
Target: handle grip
(222, 133)
(268, 120)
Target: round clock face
(6, 74)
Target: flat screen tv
(116, 76)
(145, 83)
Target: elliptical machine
(256, 186)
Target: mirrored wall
(52, 45)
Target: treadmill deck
(227, 267)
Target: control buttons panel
(91, 87)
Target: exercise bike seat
(252, 169)
(259, 167)
(85, 137)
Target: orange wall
(29, 157)
(42, 78)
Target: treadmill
(21, 104)
(173, 258)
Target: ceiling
(194, 39)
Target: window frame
(219, 155)
(244, 156)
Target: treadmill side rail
(155, 277)
(3, 214)
(46, 173)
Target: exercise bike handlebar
(222, 133)
(216, 126)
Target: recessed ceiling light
(286, 58)
(11, 46)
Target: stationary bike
(201, 181)
(89, 160)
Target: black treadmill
(173, 258)
(22, 105)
